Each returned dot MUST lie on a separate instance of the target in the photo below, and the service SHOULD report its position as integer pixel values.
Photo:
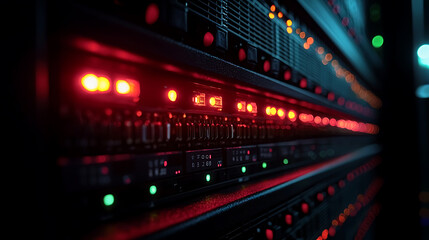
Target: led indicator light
(208, 39)
(123, 87)
(152, 14)
(281, 113)
(285, 161)
(90, 82)
(377, 41)
(264, 165)
(153, 190)
(292, 115)
(243, 169)
(249, 107)
(208, 177)
(172, 95)
(108, 200)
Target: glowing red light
(325, 121)
(127, 87)
(341, 101)
(241, 55)
(267, 65)
(333, 122)
(152, 14)
(305, 208)
(317, 120)
(288, 219)
(287, 75)
(331, 96)
(325, 234)
(208, 39)
(269, 234)
(318, 90)
(303, 117)
(331, 190)
(331, 231)
(320, 197)
(303, 83)
(165, 163)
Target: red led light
(317, 120)
(241, 55)
(331, 96)
(269, 234)
(287, 75)
(333, 122)
(267, 65)
(325, 234)
(152, 14)
(320, 197)
(208, 39)
(303, 83)
(325, 121)
(318, 90)
(331, 190)
(288, 219)
(331, 231)
(305, 208)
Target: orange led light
(271, 15)
(90, 82)
(273, 111)
(289, 30)
(289, 23)
(123, 87)
(239, 106)
(306, 45)
(328, 57)
(212, 101)
(268, 111)
(302, 34)
(127, 87)
(172, 95)
(280, 15)
(310, 40)
(249, 107)
(291, 115)
(273, 8)
(215, 101)
(281, 113)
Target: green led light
(243, 169)
(108, 200)
(264, 165)
(377, 41)
(208, 177)
(152, 189)
(285, 161)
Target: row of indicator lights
(341, 123)
(351, 210)
(100, 84)
(359, 90)
(109, 199)
(280, 15)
